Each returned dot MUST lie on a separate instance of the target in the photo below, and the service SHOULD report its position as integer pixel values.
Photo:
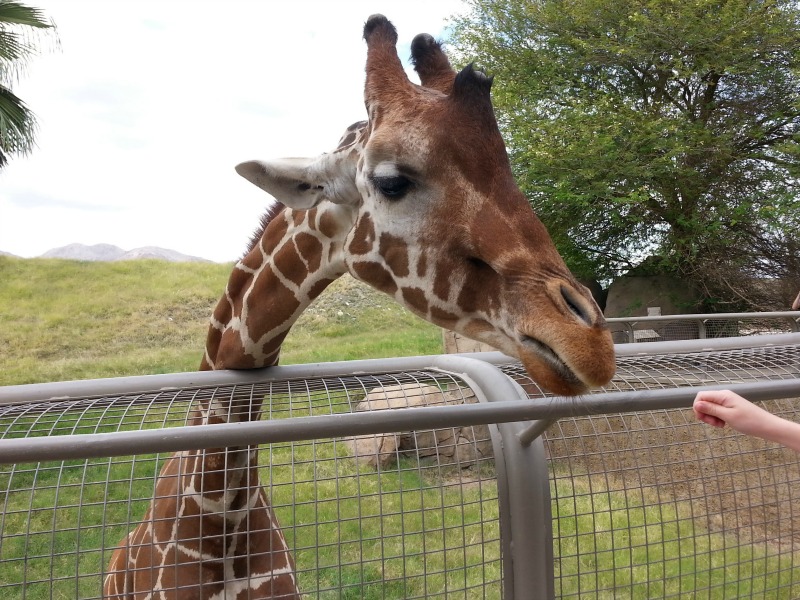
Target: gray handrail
(702, 320)
(171, 439)
(51, 391)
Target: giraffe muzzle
(571, 383)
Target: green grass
(394, 534)
(623, 544)
(62, 320)
(357, 531)
(76, 320)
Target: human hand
(722, 407)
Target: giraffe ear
(302, 183)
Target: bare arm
(719, 408)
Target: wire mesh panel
(705, 326)
(411, 515)
(657, 505)
(644, 504)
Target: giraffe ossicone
(417, 201)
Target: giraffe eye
(393, 186)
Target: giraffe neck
(293, 261)
(209, 509)
(296, 258)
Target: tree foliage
(653, 128)
(19, 41)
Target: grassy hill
(62, 319)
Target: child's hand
(722, 407)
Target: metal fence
(701, 326)
(624, 496)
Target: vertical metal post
(530, 515)
(523, 484)
(794, 323)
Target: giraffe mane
(271, 212)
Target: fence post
(527, 482)
(523, 483)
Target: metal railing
(701, 326)
(624, 495)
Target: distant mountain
(8, 254)
(108, 252)
(84, 252)
(154, 252)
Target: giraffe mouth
(552, 360)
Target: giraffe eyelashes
(393, 187)
(481, 265)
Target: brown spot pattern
(311, 221)
(231, 353)
(270, 303)
(422, 265)
(415, 298)
(213, 339)
(376, 275)
(443, 317)
(363, 236)
(271, 238)
(441, 283)
(394, 251)
(287, 261)
(274, 344)
(258, 546)
(327, 224)
(310, 249)
(238, 282)
(473, 298)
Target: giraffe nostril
(575, 306)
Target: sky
(146, 106)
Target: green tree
(20, 28)
(652, 128)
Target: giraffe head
(429, 213)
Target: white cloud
(148, 105)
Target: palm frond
(13, 12)
(22, 31)
(17, 124)
(11, 46)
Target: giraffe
(796, 303)
(417, 201)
